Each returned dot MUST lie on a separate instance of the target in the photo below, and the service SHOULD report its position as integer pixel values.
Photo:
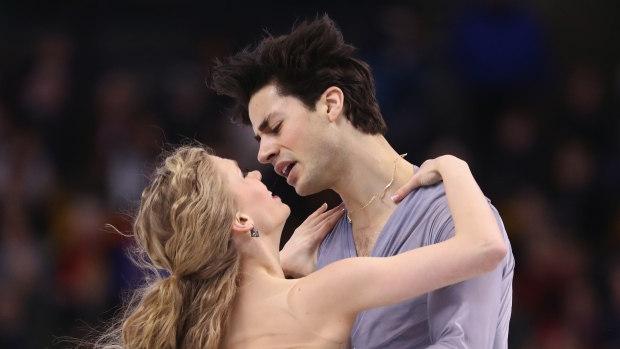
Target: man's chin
(300, 191)
(304, 190)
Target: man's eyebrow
(263, 125)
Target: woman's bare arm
(339, 291)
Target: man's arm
(466, 315)
(476, 248)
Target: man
(313, 109)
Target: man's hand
(299, 255)
(427, 175)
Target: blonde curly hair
(183, 226)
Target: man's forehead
(258, 97)
(259, 107)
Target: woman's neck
(260, 257)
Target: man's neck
(371, 165)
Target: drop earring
(254, 233)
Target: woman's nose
(256, 174)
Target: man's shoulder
(424, 201)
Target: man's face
(295, 140)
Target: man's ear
(334, 101)
(242, 224)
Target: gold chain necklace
(377, 195)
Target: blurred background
(528, 92)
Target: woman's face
(253, 199)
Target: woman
(216, 231)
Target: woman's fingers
(403, 191)
(426, 175)
(320, 215)
(316, 213)
(328, 224)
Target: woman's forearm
(474, 222)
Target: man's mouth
(288, 169)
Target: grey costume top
(472, 314)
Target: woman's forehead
(225, 163)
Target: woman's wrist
(448, 164)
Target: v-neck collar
(350, 243)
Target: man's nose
(267, 151)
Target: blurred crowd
(527, 92)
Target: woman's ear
(334, 101)
(242, 224)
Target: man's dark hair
(303, 64)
